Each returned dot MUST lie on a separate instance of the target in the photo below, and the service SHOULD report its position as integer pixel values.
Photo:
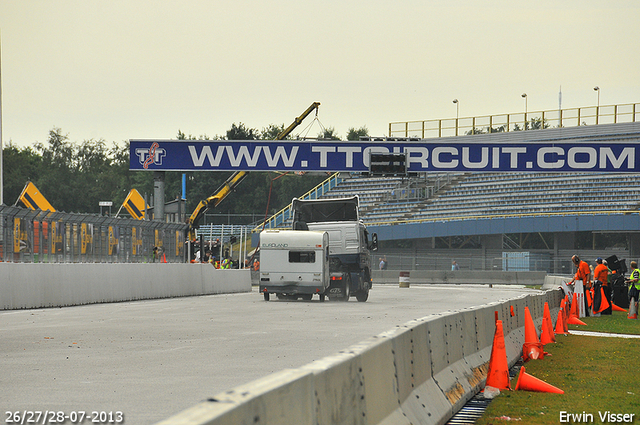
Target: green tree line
(75, 177)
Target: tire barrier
(421, 372)
(37, 285)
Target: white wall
(27, 285)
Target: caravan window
(302, 256)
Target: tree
(354, 134)
(272, 131)
(182, 136)
(329, 134)
(20, 166)
(76, 177)
(475, 130)
(241, 132)
(532, 124)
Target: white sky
(133, 69)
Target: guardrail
(590, 115)
(496, 216)
(461, 277)
(35, 236)
(421, 372)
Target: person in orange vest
(600, 279)
(583, 273)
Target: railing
(41, 236)
(284, 214)
(591, 115)
(494, 216)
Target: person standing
(634, 290)
(383, 263)
(583, 274)
(600, 280)
(454, 266)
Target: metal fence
(57, 237)
(591, 115)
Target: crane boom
(236, 178)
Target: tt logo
(153, 155)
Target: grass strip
(597, 374)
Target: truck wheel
(362, 296)
(266, 296)
(321, 298)
(346, 290)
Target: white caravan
(294, 263)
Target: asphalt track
(152, 359)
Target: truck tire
(346, 290)
(266, 296)
(362, 296)
(321, 298)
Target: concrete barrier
(459, 277)
(419, 373)
(553, 282)
(28, 285)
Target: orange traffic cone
(604, 303)
(633, 309)
(546, 337)
(573, 316)
(616, 308)
(574, 306)
(498, 375)
(512, 312)
(573, 320)
(164, 258)
(547, 316)
(527, 382)
(531, 349)
(560, 324)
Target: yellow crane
(235, 179)
(32, 198)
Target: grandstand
(500, 194)
(456, 196)
(495, 206)
(481, 219)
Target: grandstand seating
(490, 194)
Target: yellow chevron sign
(134, 204)
(32, 198)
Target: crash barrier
(459, 277)
(419, 373)
(553, 282)
(404, 279)
(35, 236)
(58, 285)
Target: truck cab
(350, 244)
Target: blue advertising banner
(422, 155)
